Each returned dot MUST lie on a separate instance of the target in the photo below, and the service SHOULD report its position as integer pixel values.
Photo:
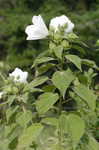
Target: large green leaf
(44, 68)
(90, 63)
(23, 118)
(29, 135)
(39, 81)
(78, 48)
(76, 128)
(45, 102)
(62, 80)
(93, 144)
(75, 60)
(49, 88)
(10, 112)
(11, 99)
(87, 95)
(42, 60)
(58, 51)
(63, 124)
(36, 82)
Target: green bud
(15, 90)
(63, 28)
(57, 37)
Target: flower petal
(38, 30)
(70, 28)
(19, 75)
(35, 32)
(61, 21)
(1, 94)
(38, 20)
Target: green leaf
(14, 134)
(11, 99)
(8, 129)
(62, 80)
(93, 144)
(76, 128)
(44, 68)
(29, 88)
(42, 60)
(87, 95)
(36, 90)
(79, 48)
(23, 118)
(39, 81)
(45, 102)
(49, 88)
(50, 121)
(72, 36)
(29, 135)
(58, 51)
(11, 111)
(63, 124)
(89, 63)
(36, 82)
(7, 135)
(75, 60)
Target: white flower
(38, 30)
(61, 21)
(19, 75)
(1, 94)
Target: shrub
(58, 109)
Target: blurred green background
(15, 15)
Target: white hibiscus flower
(61, 21)
(19, 75)
(38, 30)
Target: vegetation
(58, 107)
(15, 15)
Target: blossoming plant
(58, 109)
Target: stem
(23, 108)
(2, 77)
(60, 140)
(60, 106)
(60, 135)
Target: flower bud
(14, 90)
(57, 37)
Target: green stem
(60, 135)
(60, 106)
(2, 77)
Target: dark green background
(15, 15)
